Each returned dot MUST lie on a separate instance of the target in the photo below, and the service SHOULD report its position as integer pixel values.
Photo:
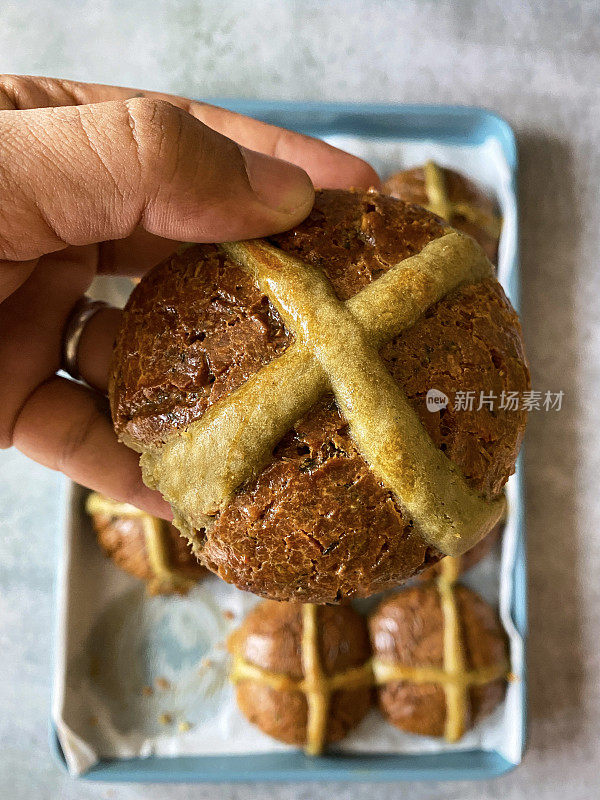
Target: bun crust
(316, 525)
(122, 539)
(270, 638)
(408, 629)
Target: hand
(96, 179)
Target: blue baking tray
(465, 125)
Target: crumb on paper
(147, 691)
(206, 663)
(162, 683)
(511, 677)
(228, 614)
(165, 719)
(184, 726)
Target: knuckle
(176, 152)
(75, 442)
(82, 434)
(279, 144)
(19, 92)
(156, 127)
(154, 120)
(148, 110)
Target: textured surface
(316, 524)
(505, 56)
(411, 185)
(271, 638)
(409, 629)
(123, 540)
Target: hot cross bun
(302, 672)
(440, 658)
(277, 392)
(147, 548)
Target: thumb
(83, 174)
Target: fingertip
(350, 172)
(151, 502)
(366, 177)
(332, 168)
(281, 186)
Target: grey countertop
(538, 64)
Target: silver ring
(81, 314)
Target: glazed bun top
(197, 326)
(422, 654)
(302, 672)
(314, 521)
(271, 638)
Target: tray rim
(442, 123)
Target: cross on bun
(312, 519)
(147, 548)
(279, 689)
(418, 690)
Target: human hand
(97, 179)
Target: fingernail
(280, 185)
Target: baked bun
(469, 559)
(302, 672)
(308, 517)
(454, 198)
(430, 683)
(147, 548)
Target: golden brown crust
(316, 525)
(410, 185)
(123, 540)
(338, 350)
(268, 541)
(194, 329)
(271, 638)
(407, 628)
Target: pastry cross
(335, 349)
(454, 677)
(156, 538)
(439, 202)
(315, 685)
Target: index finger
(327, 165)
